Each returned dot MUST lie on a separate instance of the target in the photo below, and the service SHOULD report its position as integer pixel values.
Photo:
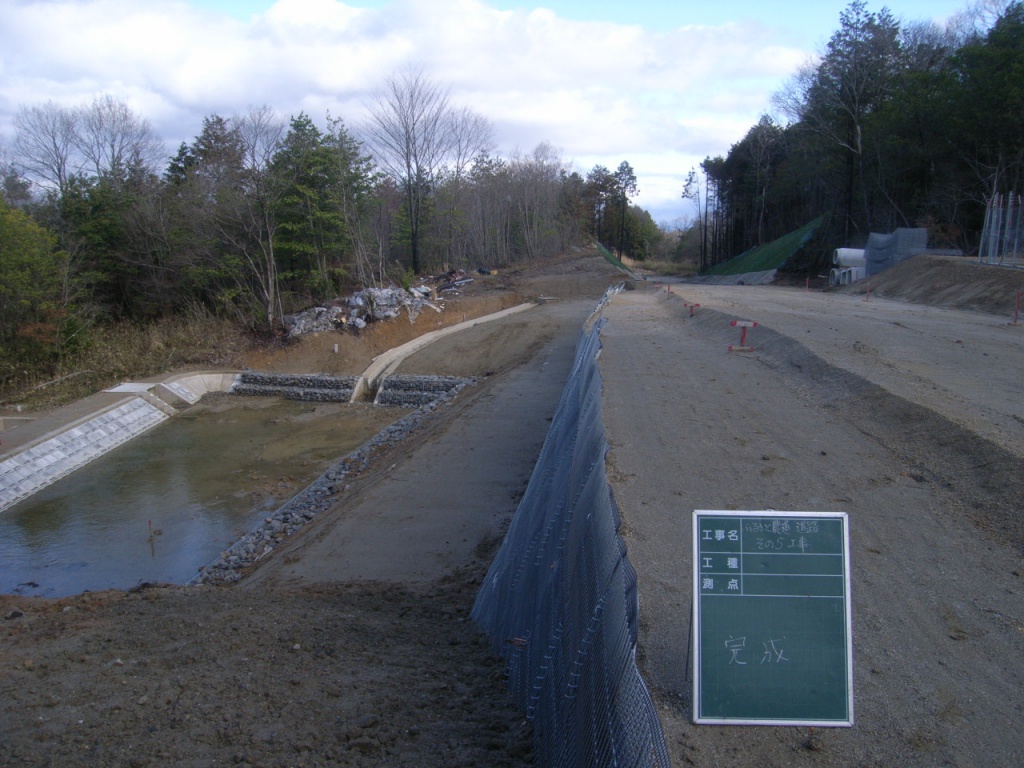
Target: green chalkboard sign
(771, 618)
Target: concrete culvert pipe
(848, 257)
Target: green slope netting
(769, 256)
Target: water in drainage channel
(169, 501)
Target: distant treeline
(259, 216)
(897, 125)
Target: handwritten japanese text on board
(772, 618)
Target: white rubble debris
(359, 309)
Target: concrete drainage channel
(136, 407)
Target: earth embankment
(351, 644)
(869, 408)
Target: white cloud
(599, 91)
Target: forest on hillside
(895, 124)
(260, 216)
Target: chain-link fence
(560, 600)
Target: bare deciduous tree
(103, 139)
(489, 210)
(45, 142)
(536, 181)
(413, 132)
(471, 136)
(249, 222)
(114, 141)
(975, 20)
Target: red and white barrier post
(742, 325)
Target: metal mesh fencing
(1002, 237)
(560, 600)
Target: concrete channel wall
(389, 361)
(136, 408)
(34, 469)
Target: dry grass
(127, 351)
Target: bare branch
(114, 141)
(45, 143)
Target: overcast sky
(660, 83)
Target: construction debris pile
(374, 304)
(358, 310)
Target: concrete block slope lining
(182, 391)
(29, 471)
(559, 602)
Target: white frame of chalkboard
(695, 618)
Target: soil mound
(948, 281)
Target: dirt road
(964, 365)
(938, 613)
(351, 645)
(453, 492)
